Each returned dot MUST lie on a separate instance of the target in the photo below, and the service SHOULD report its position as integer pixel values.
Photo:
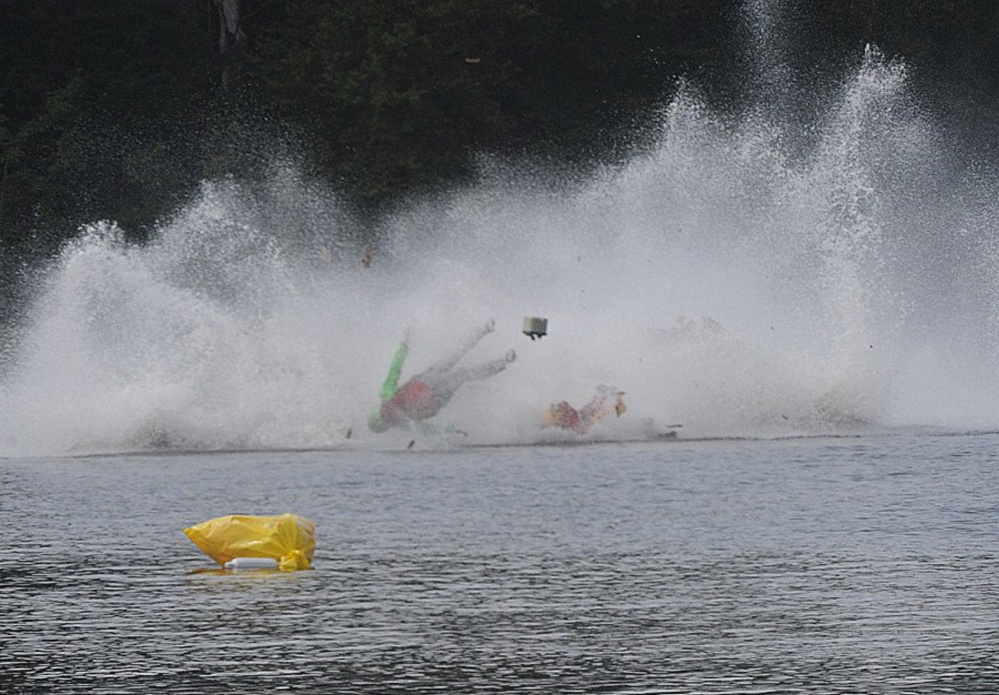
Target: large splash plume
(754, 274)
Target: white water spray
(723, 282)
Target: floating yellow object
(289, 539)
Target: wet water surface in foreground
(825, 565)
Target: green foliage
(115, 109)
(102, 98)
(401, 97)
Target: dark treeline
(115, 109)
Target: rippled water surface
(822, 565)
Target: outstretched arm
(391, 383)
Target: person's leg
(598, 402)
(446, 364)
(446, 383)
(601, 405)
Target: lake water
(839, 565)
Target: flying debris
(535, 327)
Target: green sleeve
(391, 384)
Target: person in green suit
(424, 395)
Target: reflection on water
(822, 566)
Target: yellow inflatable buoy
(288, 539)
